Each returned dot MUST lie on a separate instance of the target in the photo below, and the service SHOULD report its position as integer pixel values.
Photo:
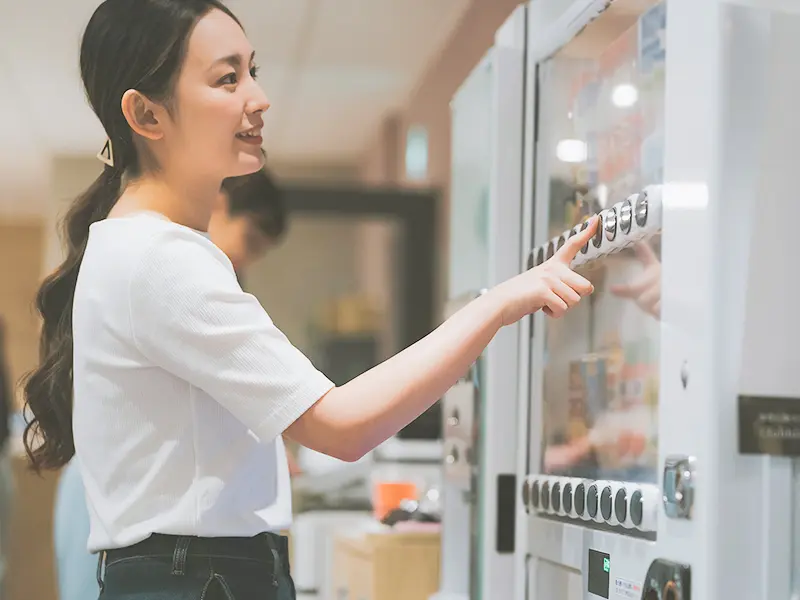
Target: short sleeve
(190, 317)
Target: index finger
(574, 244)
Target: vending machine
(479, 412)
(659, 419)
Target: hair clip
(106, 155)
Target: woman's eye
(229, 79)
(254, 72)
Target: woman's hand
(552, 286)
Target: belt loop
(100, 560)
(276, 559)
(179, 556)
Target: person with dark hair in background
(171, 385)
(249, 220)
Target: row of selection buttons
(636, 218)
(614, 503)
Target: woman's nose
(258, 102)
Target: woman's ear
(144, 116)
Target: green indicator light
(606, 565)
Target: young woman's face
(216, 127)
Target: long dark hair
(128, 44)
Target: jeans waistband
(260, 547)
(271, 548)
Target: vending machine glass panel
(600, 129)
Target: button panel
(635, 218)
(631, 506)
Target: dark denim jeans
(165, 567)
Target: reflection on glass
(605, 90)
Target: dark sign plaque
(769, 425)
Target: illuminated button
(585, 248)
(637, 508)
(625, 217)
(555, 497)
(580, 498)
(566, 497)
(606, 504)
(535, 494)
(621, 505)
(546, 496)
(591, 501)
(640, 209)
(597, 240)
(610, 224)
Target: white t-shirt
(182, 388)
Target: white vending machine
(479, 413)
(659, 420)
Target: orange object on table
(387, 496)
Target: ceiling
(333, 69)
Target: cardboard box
(387, 566)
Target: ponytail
(48, 389)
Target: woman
(172, 386)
